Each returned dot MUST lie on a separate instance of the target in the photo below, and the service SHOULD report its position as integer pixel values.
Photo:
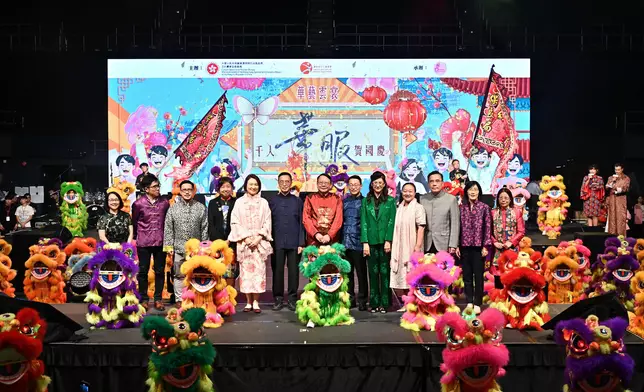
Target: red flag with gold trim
(496, 131)
(200, 142)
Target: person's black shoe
(278, 305)
(291, 306)
(362, 307)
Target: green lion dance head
(72, 192)
(182, 355)
(325, 300)
(72, 210)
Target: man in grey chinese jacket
(443, 219)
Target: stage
(273, 351)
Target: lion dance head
(561, 274)
(182, 356)
(474, 357)
(73, 211)
(205, 287)
(428, 298)
(325, 300)
(44, 280)
(6, 273)
(21, 341)
(113, 301)
(595, 354)
(522, 299)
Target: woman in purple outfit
(475, 237)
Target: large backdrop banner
(203, 119)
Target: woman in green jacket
(377, 216)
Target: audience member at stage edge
(457, 174)
(377, 217)
(322, 216)
(443, 221)
(409, 235)
(617, 187)
(8, 213)
(508, 227)
(148, 216)
(24, 214)
(186, 219)
(251, 225)
(351, 240)
(638, 219)
(219, 210)
(475, 238)
(115, 225)
(288, 240)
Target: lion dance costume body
(619, 267)
(596, 359)
(6, 273)
(325, 300)
(474, 357)
(21, 340)
(522, 299)
(205, 286)
(561, 274)
(113, 301)
(553, 206)
(73, 211)
(428, 298)
(182, 356)
(44, 280)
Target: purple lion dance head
(596, 358)
(113, 299)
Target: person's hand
(418, 248)
(451, 250)
(365, 250)
(299, 250)
(326, 239)
(387, 246)
(508, 244)
(1, 228)
(498, 245)
(318, 237)
(618, 190)
(256, 240)
(458, 252)
(227, 242)
(248, 240)
(484, 252)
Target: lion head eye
(218, 255)
(53, 254)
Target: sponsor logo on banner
(212, 68)
(308, 68)
(440, 68)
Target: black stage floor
(273, 351)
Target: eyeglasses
(155, 186)
(186, 190)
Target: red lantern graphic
(374, 95)
(404, 112)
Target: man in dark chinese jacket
(351, 240)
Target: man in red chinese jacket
(322, 216)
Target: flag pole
(478, 123)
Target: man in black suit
(219, 210)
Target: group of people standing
(379, 232)
(610, 197)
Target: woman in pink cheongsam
(250, 228)
(508, 228)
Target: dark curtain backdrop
(577, 104)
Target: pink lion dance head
(474, 357)
(428, 298)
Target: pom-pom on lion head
(474, 354)
(205, 263)
(596, 358)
